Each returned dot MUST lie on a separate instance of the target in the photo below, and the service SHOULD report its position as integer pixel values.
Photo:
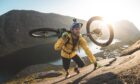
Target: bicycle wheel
(96, 25)
(43, 33)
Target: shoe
(76, 70)
(67, 74)
(95, 65)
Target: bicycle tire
(52, 30)
(111, 32)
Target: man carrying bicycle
(68, 43)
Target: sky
(112, 10)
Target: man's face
(76, 31)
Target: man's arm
(83, 44)
(58, 45)
(61, 41)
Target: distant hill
(15, 25)
(126, 31)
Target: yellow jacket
(67, 52)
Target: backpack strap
(74, 42)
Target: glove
(65, 36)
(97, 65)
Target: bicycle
(93, 32)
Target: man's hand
(65, 36)
(97, 65)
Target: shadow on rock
(107, 78)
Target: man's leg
(79, 62)
(66, 65)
